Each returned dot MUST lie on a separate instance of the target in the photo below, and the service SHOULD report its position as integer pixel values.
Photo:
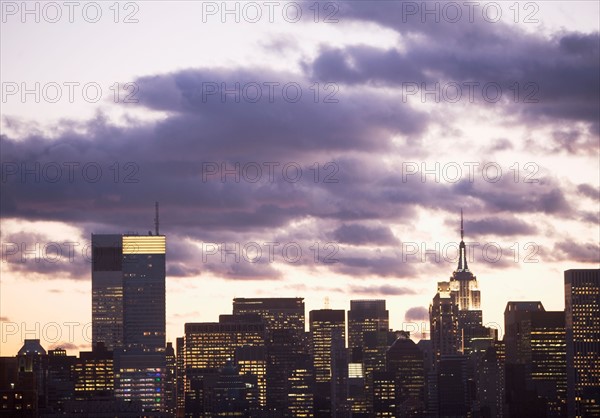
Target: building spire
(156, 217)
(462, 231)
(462, 248)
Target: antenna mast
(156, 217)
(461, 225)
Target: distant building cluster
(260, 362)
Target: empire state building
(463, 283)
(455, 312)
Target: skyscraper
(328, 346)
(278, 313)
(490, 383)
(366, 316)
(253, 360)
(170, 380)
(286, 346)
(517, 335)
(455, 313)
(128, 312)
(406, 363)
(144, 273)
(60, 379)
(582, 321)
(94, 374)
(453, 396)
(209, 345)
(535, 352)
(368, 328)
(180, 362)
(210, 348)
(465, 286)
(443, 315)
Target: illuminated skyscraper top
(463, 282)
(455, 312)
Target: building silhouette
(328, 350)
(94, 374)
(368, 327)
(536, 353)
(405, 361)
(128, 312)
(286, 347)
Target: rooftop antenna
(156, 217)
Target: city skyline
(429, 256)
(294, 209)
(386, 159)
(264, 351)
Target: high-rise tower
(128, 312)
(328, 348)
(455, 313)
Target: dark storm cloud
(165, 160)
(152, 158)
(357, 234)
(563, 68)
(274, 122)
(417, 313)
(507, 195)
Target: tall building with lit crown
(140, 363)
(582, 310)
(128, 312)
(455, 313)
(144, 273)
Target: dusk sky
(323, 109)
